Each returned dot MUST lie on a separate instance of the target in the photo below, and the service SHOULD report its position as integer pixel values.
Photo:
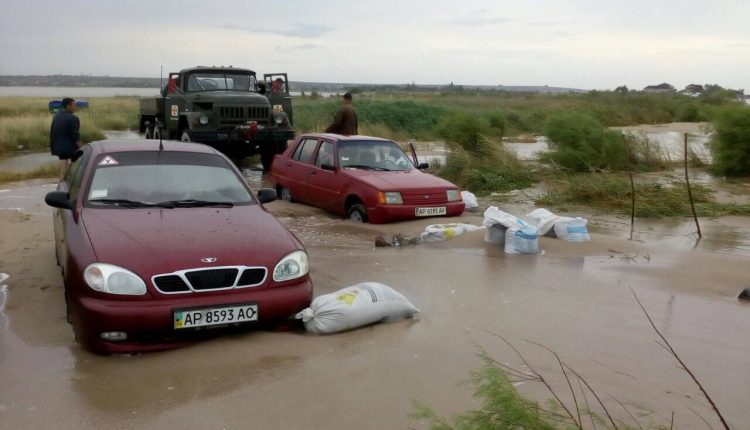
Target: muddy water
(574, 299)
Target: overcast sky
(583, 44)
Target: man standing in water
(65, 134)
(345, 120)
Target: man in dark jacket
(345, 120)
(65, 134)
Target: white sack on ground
(470, 200)
(521, 241)
(544, 220)
(572, 229)
(495, 234)
(356, 306)
(441, 232)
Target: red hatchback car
(157, 246)
(367, 179)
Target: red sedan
(367, 179)
(157, 246)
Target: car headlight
(453, 195)
(392, 198)
(203, 120)
(111, 279)
(293, 266)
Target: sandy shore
(575, 299)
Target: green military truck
(224, 107)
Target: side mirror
(325, 166)
(58, 199)
(266, 195)
(423, 166)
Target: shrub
(580, 143)
(462, 128)
(730, 145)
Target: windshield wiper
(362, 166)
(192, 203)
(122, 202)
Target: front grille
(257, 113)
(212, 279)
(185, 281)
(170, 284)
(252, 277)
(425, 198)
(232, 112)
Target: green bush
(580, 143)
(464, 129)
(730, 145)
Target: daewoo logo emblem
(426, 196)
(208, 259)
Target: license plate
(431, 211)
(222, 136)
(189, 318)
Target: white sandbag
(356, 306)
(470, 200)
(544, 221)
(493, 216)
(441, 232)
(495, 234)
(521, 241)
(572, 229)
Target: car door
(297, 168)
(324, 185)
(64, 219)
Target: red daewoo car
(367, 179)
(158, 246)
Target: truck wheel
(157, 133)
(266, 158)
(358, 213)
(148, 134)
(185, 137)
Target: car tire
(357, 212)
(285, 194)
(185, 137)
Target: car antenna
(158, 127)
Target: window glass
(305, 151)
(373, 155)
(325, 154)
(152, 177)
(219, 81)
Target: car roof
(147, 145)
(343, 138)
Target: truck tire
(149, 132)
(157, 133)
(185, 137)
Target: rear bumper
(150, 326)
(386, 213)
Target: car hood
(407, 180)
(154, 241)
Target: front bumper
(150, 326)
(237, 135)
(379, 214)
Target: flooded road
(573, 298)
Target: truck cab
(224, 107)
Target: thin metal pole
(690, 193)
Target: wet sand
(575, 299)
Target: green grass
(731, 142)
(46, 171)
(610, 193)
(25, 121)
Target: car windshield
(372, 155)
(215, 81)
(167, 179)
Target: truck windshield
(213, 81)
(372, 155)
(171, 179)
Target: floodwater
(573, 298)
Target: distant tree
(314, 95)
(622, 89)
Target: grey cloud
(302, 30)
(478, 17)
